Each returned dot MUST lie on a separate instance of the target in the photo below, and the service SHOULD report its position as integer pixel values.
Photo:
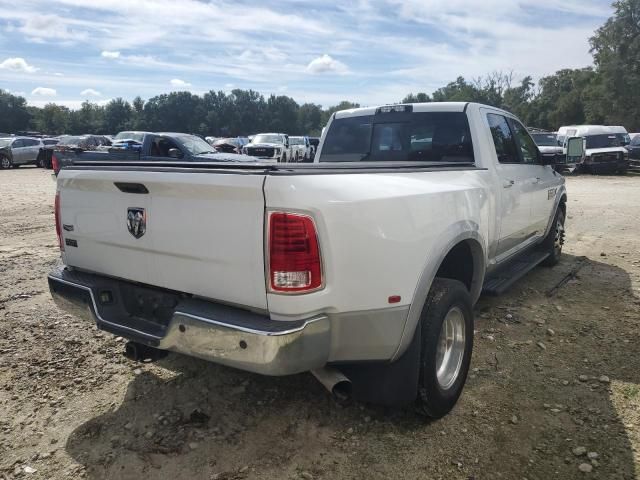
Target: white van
(604, 146)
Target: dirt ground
(554, 387)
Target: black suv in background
(634, 147)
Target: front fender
(455, 234)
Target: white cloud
(18, 64)
(90, 92)
(110, 54)
(44, 92)
(325, 63)
(47, 28)
(176, 82)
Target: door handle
(509, 183)
(537, 180)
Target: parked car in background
(548, 144)
(155, 147)
(300, 149)
(348, 274)
(634, 148)
(269, 146)
(230, 145)
(604, 147)
(44, 161)
(210, 140)
(83, 142)
(17, 151)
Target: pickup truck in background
(269, 146)
(147, 147)
(300, 149)
(362, 267)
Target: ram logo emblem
(136, 221)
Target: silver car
(16, 151)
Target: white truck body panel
(204, 231)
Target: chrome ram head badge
(136, 221)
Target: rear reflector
(55, 163)
(58, 221)
(295, 265)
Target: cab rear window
(401, 137)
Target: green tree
(88, 119)
(282, 115)
(417, 98)
(52, 119)
(174, 112)
(117, 116)
(310, 119)
(616, 53)
(14, 114)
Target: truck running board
(501, 280)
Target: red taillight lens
(58, 221)
(294, 254)
(55, 164)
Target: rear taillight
(58, 221)
(295, 265)
(55, 164)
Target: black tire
(436, 399)
(553, 242)
(5, 162)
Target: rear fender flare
(456, 233)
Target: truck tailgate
(203, 234)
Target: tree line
(606, 93)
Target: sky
(366, 51)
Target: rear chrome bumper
(207, 330)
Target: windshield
(5, 141)
(603, 141)
(545, 139)
(296, 140)
(399, 137)
(195, 145)
(137, 136)
(227, 141)
(267, 139)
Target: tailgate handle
(131, 187)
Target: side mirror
(575, 149)
(175, 153)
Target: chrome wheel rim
(5, 162)
(450, 350)
(559, 238)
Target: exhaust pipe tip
(336, 383)
(138, 352)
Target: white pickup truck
(362, 267)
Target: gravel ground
(554, 390)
